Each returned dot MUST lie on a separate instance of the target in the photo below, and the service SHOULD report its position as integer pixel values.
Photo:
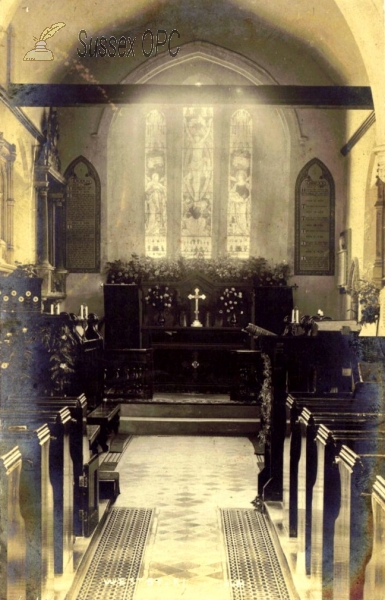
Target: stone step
(189, 426)
(186, 410)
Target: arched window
(239, 197)
(82, 212)
(197, 182)
(155, 185)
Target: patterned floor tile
(186, 479)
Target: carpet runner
(253, 566)
(116, 563)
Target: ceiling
(297, 43)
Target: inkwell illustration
(41, 52)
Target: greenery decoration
(266, 400)
(140, 269)
(63, 346)
(368, 295)
(23, 271)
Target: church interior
(192, 305)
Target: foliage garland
(266, 400)
(140, 269)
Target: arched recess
(82, 217)
(124, 129)
(314, 220)
(235, 63)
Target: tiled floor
(186, 479)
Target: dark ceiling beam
(298, 96)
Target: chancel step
(190, 419)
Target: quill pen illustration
(50, 31)
(41, 51)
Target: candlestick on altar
(196, 297)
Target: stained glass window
(156, 186)
(197, 182)
(239, 195)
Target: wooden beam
(338, 97)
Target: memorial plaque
(82, 218)
(314, 219)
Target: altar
(192, 359)
(194, 328)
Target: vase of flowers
(231, 305)
(159, 299)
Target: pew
(36, 506)
(83, 450)
(106, 416)
(60, 472)
(333, 500)
(12, 526)
(354, 530)
(292, 446)
(307, 467)
(374, 587)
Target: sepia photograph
(192, 300)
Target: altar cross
(196, 297)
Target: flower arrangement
(159, 297)
(231, 301)
(224, 268)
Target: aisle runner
(253, 565)
(115, 567)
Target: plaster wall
(361, 198)
(23, 190)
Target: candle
(52, 309)
(85, 311)
(81, 311)
(296, 315)
(58, 308)
(293, 316)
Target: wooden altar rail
(60, 472)
(128, 374)
(36, 507)
(374, 587)
(12, 526)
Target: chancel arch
(268, 141)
